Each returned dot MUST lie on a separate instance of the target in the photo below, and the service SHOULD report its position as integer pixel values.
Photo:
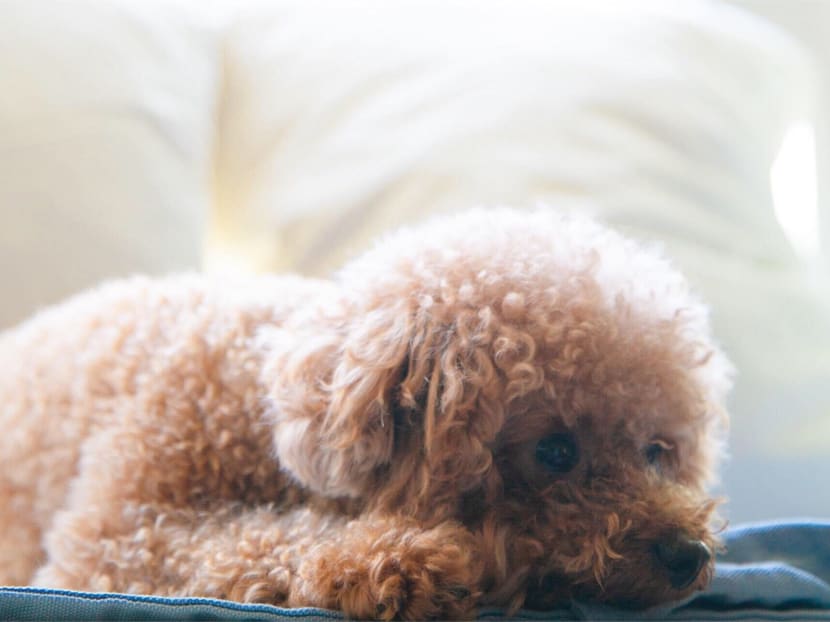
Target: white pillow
(343, 119)
(106, 112)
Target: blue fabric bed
(772, 571)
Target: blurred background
(158, 136)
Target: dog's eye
(656, 449)
(653, 452)
(558, 453)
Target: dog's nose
(683, 558)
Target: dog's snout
(683, 558)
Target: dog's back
(65, 371)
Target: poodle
(495, 408)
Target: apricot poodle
(498, 407)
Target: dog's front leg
(391, 568)
(366, 567)
(127, 528)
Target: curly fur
(367, 444)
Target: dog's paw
(413, 575)
(434, 584)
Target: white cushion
(342, 119)
(106, 113)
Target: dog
(499, 407)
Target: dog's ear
(330, 378)
(351, 386)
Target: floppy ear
(332, 378)
(343, 384)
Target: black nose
(683, 558)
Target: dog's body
(495, 408)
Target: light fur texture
(367, 444)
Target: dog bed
(772, 571)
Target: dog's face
(543, 381)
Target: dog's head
(544, 381)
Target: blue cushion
(772, 571)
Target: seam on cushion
(172, 602)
